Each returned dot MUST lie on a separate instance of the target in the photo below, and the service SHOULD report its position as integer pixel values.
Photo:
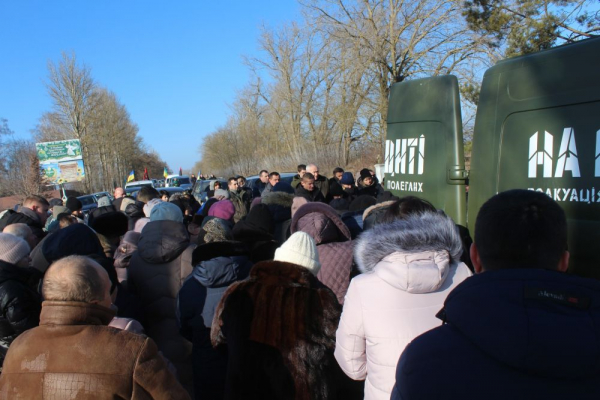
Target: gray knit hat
(222, 193)
(300, 249)
(12, 248)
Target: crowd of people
(318, 289)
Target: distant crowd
(325, 288)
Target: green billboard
(61, 161)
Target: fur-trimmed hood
(413, 254)
(277, 198)
(381, 207)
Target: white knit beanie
(300, 249)
(12, 248)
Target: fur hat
(365, 173)
(166, 211)
(223, 209)
(73, 204)
(12, 248)
(347, 178)
(150, 205)
(300, 249)
(215, 230)
(260, 218)
(104, 201)
(222, 193)
(283, 187)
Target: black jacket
(315, 195)
(20, 302)
(217, 265)
(24, 216)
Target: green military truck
(537, 127)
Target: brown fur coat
(279, 327)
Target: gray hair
(74, 278)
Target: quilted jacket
(409, 267)
(334, 244)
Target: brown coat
(74, 355)
(279, 327)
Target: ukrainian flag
(165, 173)
(131, 176)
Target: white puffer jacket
(409, 267)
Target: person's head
(338, 172)
(38, 205)
(77, 278)
(74, 205)
(520, 229)
(147, 193)
(314, 170)
(166, 211)
(164, 195)
(119, 192)
(14, 250)
(217, 185)
(406, 206)
(308, 182)
(65, 220)
(274, 178)
(232, 184)
(22, 231)
(55, 202)
(263, 176)
(241, 181)
(300, 249)
(301, 170)
(347, 180)
(367, 178)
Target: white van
(139, 184)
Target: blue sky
(175, 65)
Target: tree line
(319, 89)
(82, 109)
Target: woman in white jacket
(408, 268)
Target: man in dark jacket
(321, 182)
(33, 213)
(520, 328)
(218, 262)
(296, 180)
(367, 184)
(308, 190)
(261, 183)
(19, 299)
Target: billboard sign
(61, 161)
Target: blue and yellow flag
(165, 173)
(131, 176)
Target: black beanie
(365, 173)
(260, 218)
(336, 190)
(73, 204)
(109, 224)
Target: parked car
(182, 181)
(90, 201)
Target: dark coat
(24, 216)
(20, 303)
(157, 271)
(256, 232)
(509, 334)
(315, 195)
(374, 190)
(217, 265)
(73, 354)
(258, 188)
(334, 244)
(280, 207)
(322, 184)
(279, 327)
